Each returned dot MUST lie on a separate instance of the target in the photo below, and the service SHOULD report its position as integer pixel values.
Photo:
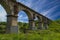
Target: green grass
(35, 35)
(8, 37)
(54, 26)
(53, 33)
(45, 35)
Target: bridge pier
(45, 23)
(12, 7)
(40, 25)
(45, 26)
(12, 24)
(31, 24)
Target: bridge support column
(12, 24)
(31, 25)
(45, 24)
(40, 25)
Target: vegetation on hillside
(58, 21)
(53, 33)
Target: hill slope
(53, 33)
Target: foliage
(8, 37)
(23, 26)
(53, 33)
(35, 35)
(54, 26)
(2, 27)
(58, 21)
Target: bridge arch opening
(38, 22)
(5, 10)
(23, 20)
(3, 19)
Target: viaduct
(12, 8)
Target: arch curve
(39, 18)
(5, 6)
(40, 24)
(29, 14)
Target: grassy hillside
(58, 21)
(55, 26)
(53, 33)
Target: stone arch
(45, 23)
(28, 14)
(22, 14)
(7, 9)
(23, 21)
(30, 18)
(5, 6)
(2, 19)
(40, 24)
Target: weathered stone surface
(12, 8)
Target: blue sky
(48, 8)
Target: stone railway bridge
(12, 8)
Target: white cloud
(49, 10)
(25, 17)
(21, 18)
(26, 2)
(2, 14)
(36, 6)
(23, 21)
